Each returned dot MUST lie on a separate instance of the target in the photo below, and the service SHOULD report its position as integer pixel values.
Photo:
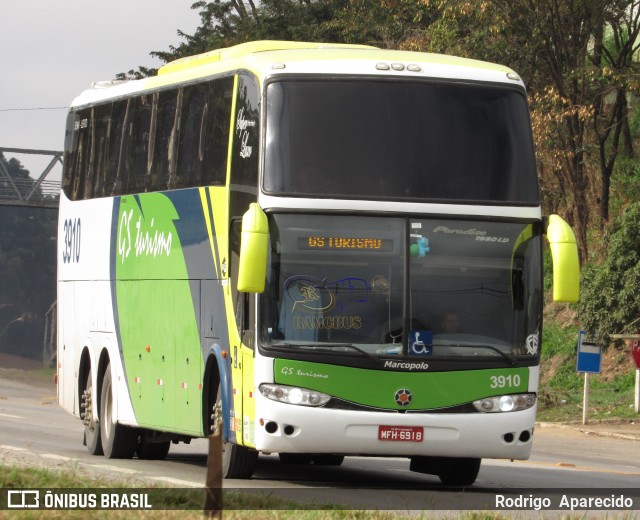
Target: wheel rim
(106, 415)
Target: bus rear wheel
(118, 441)
(153, 450)
(91, 425)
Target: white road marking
(111, 468)
(13, 448)
(11, 416)
(53, 456)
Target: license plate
(401, 433)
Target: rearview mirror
(254, 248)
(566, 265)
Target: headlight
(505, 403)
(293, 395)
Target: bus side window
(242, 302)
(99, 166)
(162, 163)
(246, 133)
(214, 145)
(81, 155)
(234, 254)
(70, 150)
(118, 147)
(192, 134)
(140, 140)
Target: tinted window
(399, 140)
(162, 140)
(433, 287)
(138, 160)
(247, 134)
(218, 125)
(99, 155)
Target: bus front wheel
(238, 461)
(452, 471)
(462, 472)
(118, 441)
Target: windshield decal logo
(532, 344)
(306, 293)
(403, 397)
(481, 236)
(242, 126)
(324, 309)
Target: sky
(51, 51)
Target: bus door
(241, 343)
(243, 190)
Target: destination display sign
(331, 243)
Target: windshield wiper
(330, 348)
(490, 347)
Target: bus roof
(272, 57)
(244, 49)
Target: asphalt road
(35, 431)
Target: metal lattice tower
(24, 192)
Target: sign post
(589, 362)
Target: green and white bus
(340, 245)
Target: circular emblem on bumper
(403, 397)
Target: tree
(560, 34)
(27, 270)
(576, 57)
(224, 23)
(610, 301)
(614, 55)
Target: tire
(237, 461)
(460, 472)
(296, 458)
(118, 441)
(92, 438)
(328, 460)
(153, 450)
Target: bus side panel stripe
(208, 218)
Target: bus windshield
(399, 140)
(405, 286)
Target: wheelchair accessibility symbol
(420, 343)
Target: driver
(450, 322)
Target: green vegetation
(561, 387)
(610, 302)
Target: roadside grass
(562, 388)
(40, 376)
(186, 504)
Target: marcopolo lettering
(405, 365)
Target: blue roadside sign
(589, 355)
